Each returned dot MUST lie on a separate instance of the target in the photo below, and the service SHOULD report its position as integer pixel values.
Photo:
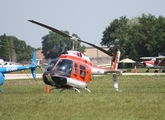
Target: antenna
(73, 45)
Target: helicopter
(9, 69)
(73, 70)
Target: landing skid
(119, 90)
(87, 89)
(77, 90)
(52, 89)
(114, 78)
(1, 90)
(63, 89)
(57, 88)
(163, 71)
(147, 70)
(74, 88)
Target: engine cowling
(2, 78)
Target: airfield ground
(142, 98)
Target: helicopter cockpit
(51, 64)
(64, 65)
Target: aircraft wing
(147, 58)
(160, 61)
(160, 57)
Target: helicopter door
(82, 73)
(75, 69)
(79, 72)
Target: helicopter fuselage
(67, 71)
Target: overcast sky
(87, 18)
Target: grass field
(142, 98)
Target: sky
(86, 18)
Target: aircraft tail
(116, 62)
(115, 67)
(33, 65)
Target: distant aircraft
(154, 62)
(9, 69)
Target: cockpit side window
(82, 70)
(75, 68)
(64, 65)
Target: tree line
(136, 37)
(15, 50)
(140, 36)
(53, 45)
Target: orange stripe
(115, 63)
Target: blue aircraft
(4, 70)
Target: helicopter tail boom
(9, 69)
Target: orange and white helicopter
(154, 62)
(73, 70)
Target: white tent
(127, 60)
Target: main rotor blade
(71, 37)
(99, 48)
(50, 28)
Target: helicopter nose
(60, 80)
(54, 80)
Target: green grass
(142, 98)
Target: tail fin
(115, 66)
(33, 65)
(116, 62)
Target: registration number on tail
(11, 68)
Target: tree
(5, 50)
(145, 28)
(131, 46)
(23, 51)
(157, 39)
(14, 49)
(53, 45)
(13, 55)
(148, 35)
(116, 34)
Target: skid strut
(115, 83)
(1, 90)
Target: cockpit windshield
(160, 54)
(64, 65)
(51, 64)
